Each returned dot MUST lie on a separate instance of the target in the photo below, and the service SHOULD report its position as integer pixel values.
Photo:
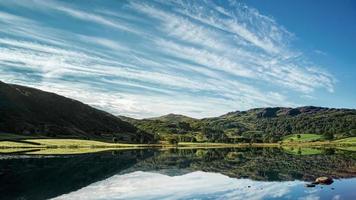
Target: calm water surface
(241, 173)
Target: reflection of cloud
(310, 197)
(196, 185)
(336, 197)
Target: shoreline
(75, 146)
(77, 143)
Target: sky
(198, 58)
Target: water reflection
(194, 173)
(204, 185)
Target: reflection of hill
(43, 178)
(258, 163)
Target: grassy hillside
(255, 125)
(34, 113)
(303, 138)
(173, 118)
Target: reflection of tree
(43, 178)
(257, 163)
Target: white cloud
(231, 59)
(90, 17)
(234, 44)
(113, 45)
(10, 18)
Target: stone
(324, 180)
(309, 185)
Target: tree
(329, 136)
(172, 141)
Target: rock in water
(324, 180)
(309, 185)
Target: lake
(226, 173)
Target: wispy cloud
(93, 18)
(243, 42)
(147, 58)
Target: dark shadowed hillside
(33, 112)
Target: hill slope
(173, 118)
(33, 112)
(260, 124)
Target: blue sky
(198, 58)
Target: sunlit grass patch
(14, 150)
(67, 143)
(303, 138)
(66, 151)
(71, 143)
(13, 144)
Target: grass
(77, 143)
(63, 143)
(72, 143)
(291, 143)
(303, 138)
(61, 151)
(12, 150)
(12, 144)
(63, 146)
(67, 151)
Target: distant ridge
(172, 117)
(269, 124)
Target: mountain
(173, 118)
(257, 125)
(33, 112)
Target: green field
(302, 138)
(302, 145)
(61, 143)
